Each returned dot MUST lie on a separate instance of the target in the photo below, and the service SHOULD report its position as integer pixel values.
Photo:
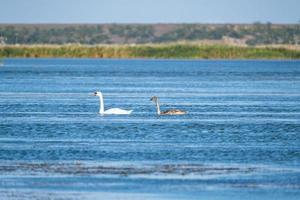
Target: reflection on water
(239, 139)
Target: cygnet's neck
(157, 106)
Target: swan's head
(154, 99)
(97, 93)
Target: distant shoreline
(155, 51)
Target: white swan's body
(117, 111)
(112, 111)
(166, 112)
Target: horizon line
(144, 23)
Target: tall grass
(187, 51)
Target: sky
(149, 11)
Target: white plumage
(112, 111)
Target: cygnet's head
(97, 93)
(154, 99)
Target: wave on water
(85, 168)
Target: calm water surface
(240, 138)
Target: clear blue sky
(149, 11)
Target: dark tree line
(254, 34)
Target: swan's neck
(158, 107)
(101, 109)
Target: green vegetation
(207, 41)
(248, 34)
(189, 51)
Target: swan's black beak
(153, 98)
(94, 94)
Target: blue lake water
(240, 138)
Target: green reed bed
(184, 51)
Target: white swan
(112, 111)
(166, 112)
